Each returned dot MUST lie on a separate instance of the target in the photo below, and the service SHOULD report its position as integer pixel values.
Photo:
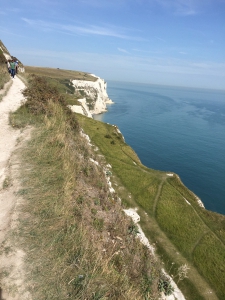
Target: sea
(175, 129)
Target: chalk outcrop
(5, 52)
(95, 93)
(7, 56)
(82, 108)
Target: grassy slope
(59, 73)
(79, 243)
(183, 233)
(4, 74)
(177, 226)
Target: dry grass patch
(76, 236)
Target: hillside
(183, 232)
(76, 240)
(4, 75)
(77, 175)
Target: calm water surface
(181, 130)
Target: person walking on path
(13, 68)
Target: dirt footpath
(11, 258)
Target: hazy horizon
(166, 42)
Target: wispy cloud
(110, 31)
(131, 62)
(103, 3)
(94, 30)
(122, 50)
(160, 39)
(9, 32)
(147, 52)
(119, 67)
(180, 7)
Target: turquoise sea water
(181, 130)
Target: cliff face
(8, 56)
(94, 93)
(5, 51)
(4, 74)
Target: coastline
(102, 100)
(99, 109)
(174, 130)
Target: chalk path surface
(12, 285)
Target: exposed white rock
(7, 56)
(94, 161)
(118, 131)
(177, 294)
(77, 109)
(81, 109)
(136, 218)
(200, 203)
(86, 137)
(96, 91)
(187, 201)
(133, 214)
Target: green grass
(172, 220)
(209, 257)
(177, 226)
(59, 73)
(182, 233)
(4, 76)
(70, 223)
(62, 80)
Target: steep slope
(4, 74)
(73, 193)
(184, 232)
(95, 94)
(78, 242)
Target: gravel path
(11, 258)
(8, 135)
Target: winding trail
(158, 195)
(11, 258)
(11, 102)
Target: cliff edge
(95, 97)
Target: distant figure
(13, 68)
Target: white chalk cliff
(81, 109)
(96, 96)
(9, 57)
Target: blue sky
(172, 42)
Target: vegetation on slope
(183, 232)
(196, 238)
(79, 243)
(4, 74)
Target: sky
(167, 42)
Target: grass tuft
(73, 230)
